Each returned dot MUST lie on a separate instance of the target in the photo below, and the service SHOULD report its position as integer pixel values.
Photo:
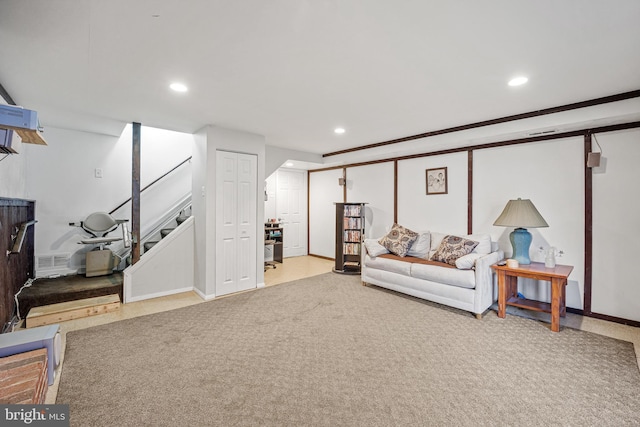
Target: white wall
(207, 141)
(61, 179)
(551, 175)
(272, 195)
(167, 270)
(435, 212)
(373, 185)
(13, 171)
(324, 191)
(276, 157)
(616, 211)
(199, 210)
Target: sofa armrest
(484, 281)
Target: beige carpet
(327, 351)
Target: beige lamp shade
(520, 213)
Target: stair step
(149, 245)
(165, 231)
(63, 311)
(181, 218)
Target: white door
(236, 210)
(291, 207)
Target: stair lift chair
(101, 261)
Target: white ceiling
(293, 70)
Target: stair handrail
(181, 206)
(188, 159)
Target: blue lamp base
(520, 242)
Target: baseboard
(158, 295)
(202, 295)
(323, 257)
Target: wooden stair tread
(60, 312)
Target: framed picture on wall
(437, 182)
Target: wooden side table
(508, 289)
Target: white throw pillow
(484, 243)
(374, 248)
(436, 239)
(468, 261)
(420, 248)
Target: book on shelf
(352, 210)
(352, 236)
(352, 223)
(351, 249)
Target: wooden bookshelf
(349, 237)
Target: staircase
(165, 231)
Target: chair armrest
(484, 280)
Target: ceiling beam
(553, 110)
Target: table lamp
(520, 214)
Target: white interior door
(236, 210)
(291, 201)
(247, 212)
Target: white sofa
(469, 288)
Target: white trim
(157, 295)
(186, 227)
(203, 296)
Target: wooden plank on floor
(61, 312)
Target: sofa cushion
(399, 239)
(452, 248)
(449, 276)
(392, 265)
(374, 248)
(410, 259)
(420, 248)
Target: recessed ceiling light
(339, 131)
(517, 81)
(288, 164)
(178, 87)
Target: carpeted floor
(327, 351)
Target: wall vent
(52, 261)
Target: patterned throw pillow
(453, 247)
(398, 240)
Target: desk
(273, 237)
(508, 289)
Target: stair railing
(152, 183)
